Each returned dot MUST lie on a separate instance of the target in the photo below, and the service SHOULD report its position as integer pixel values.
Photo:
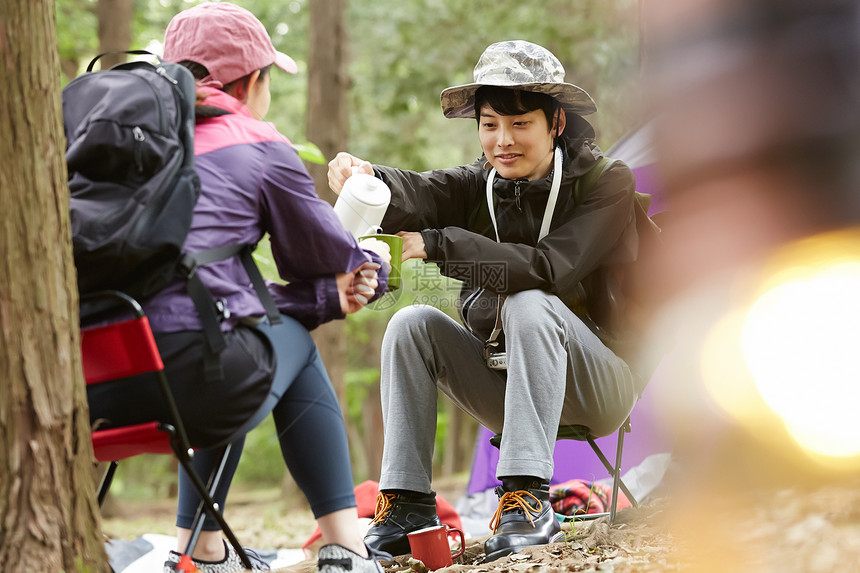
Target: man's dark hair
(508, 101)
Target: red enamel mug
(430, 546)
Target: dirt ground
(789, 530)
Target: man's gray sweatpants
(558, 372)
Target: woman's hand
(342, 167)
(413, 245)
(379, 247)
(356, 288)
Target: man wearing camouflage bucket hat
(522, 65)
(541, 346)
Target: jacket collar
(222, 100)
(575, 165)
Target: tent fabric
(635, 149)
(575, 459)
(646, 183)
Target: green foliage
(310, 153)
(286, 22)
(400, 67)
(76, 25)
(264, 259)
(261, 463)
(145, 477)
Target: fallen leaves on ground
(803, 530)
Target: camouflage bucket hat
(519, 65)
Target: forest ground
(804, 530)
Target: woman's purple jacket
(253, 182)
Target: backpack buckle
(187, 265)
(223, 312)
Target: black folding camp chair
(583, 434)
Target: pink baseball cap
(228, 40)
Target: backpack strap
(210, 311)
(246, 255)
(586, 182)
(92, 63)
(272, 312)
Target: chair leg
(616, 475)
(611, 469)
(107, 480)
(208, 504)
(615, 472)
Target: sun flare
(800, 341)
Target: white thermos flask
(362, 203)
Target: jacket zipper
(470, 300)
(144, 223)
(518, 195)
(139, 138)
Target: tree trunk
(327, 127)
(452, 438)
(328, 83)
(49, 517)
(459, 439)
(373, 433)
(372, 442)
(115, 17)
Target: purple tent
(575, 459)
(634, 148)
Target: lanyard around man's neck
(544, 230)
(550, 202)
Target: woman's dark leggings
(311, 433)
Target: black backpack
(130, 156)
(633, 284)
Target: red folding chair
(127, 348)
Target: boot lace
(512, 501)
(384, 504)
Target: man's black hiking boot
(524, 517)
(397, 513)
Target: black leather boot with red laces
(524, 517)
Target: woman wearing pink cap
(253, 183)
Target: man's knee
(528, 307)
(412, 321)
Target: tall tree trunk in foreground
(115, 18)
(49, 518)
